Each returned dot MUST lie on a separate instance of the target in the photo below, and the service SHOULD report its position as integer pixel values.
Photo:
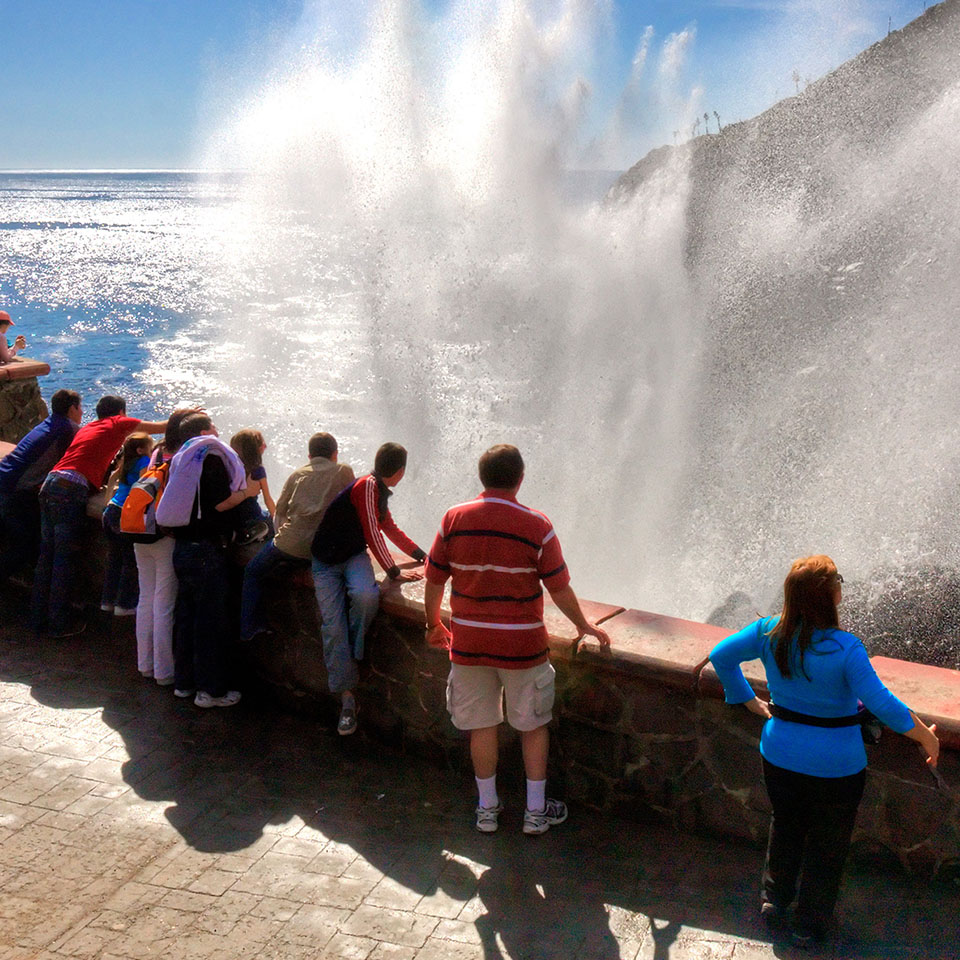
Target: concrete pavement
(135, 825)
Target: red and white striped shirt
(497, 552)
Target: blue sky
(139, 83)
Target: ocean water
(103, 272)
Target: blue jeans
(120, 585)
(268, 563)
(20, 519)
(348, 597)
(201, 629)
(63, 511)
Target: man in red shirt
(498, 552)
(343, 579)
(79, 473)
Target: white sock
(488, 791)
(536, 801)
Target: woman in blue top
(814, 773)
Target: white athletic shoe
(554, 812)
(203, 699)
(487, 818)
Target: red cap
(5, 318)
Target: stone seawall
(21, 405)
(641, 732)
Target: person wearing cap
(7, 353)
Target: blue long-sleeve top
(836, 674)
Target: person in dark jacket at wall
(343, 579)
(22, 473)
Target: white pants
(158, 597)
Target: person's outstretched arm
(267, 499)
(364, 498)
(437, 634)
(151, 426)
(569, 606)
(926, 737)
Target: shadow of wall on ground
(233, 777)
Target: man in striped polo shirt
(498, 552)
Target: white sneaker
(184, 693)
(124, 611)
(487, 818)
(203, 699)
(554, 812)
(106, 607)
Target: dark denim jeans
(63, 509)
(201, 628)
(120, 585)
(810, 831)
(269, 563)
(20, 519)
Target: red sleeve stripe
(510, 503)
(486, 625)
(379, 544)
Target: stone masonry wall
(641, 732)
(21, 408)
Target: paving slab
(134, 825)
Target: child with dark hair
(253, 523)
(346, 589)
(120, 591)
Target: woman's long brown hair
(247, 445)
(809, 603)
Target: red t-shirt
(94, 446)
(498, 552)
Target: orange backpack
(138, 515)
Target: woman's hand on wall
(759, 707)
(926, 737)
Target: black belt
(853, 720)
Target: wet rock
(911, 614)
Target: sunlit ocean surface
(102, 272)
(174, 288)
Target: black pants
(201, 629)
(810, 832)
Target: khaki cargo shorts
(475, 696)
